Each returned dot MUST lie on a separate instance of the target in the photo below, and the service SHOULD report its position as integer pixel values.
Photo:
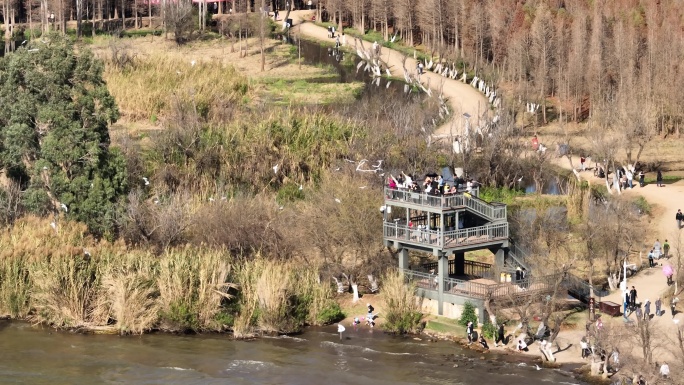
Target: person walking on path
(673, 306)
(666, 249)
(584, 347)
(659, 179)
(651, 255)
(664, 370)
(679, 217)
(625, 305)
(632, 296)
(658, 305)
(647, 310)
(642, 183)
(656, 249)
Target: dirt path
(462, 97)
(651, 283)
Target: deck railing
(448, 239)
(422, 280)
(481, 290)
(492, 211)
(470, 268)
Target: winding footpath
(462, 97)
(651, 283)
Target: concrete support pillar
(404, 259)
(499, 259)
(459, 263)
(442, 271)
(481, 314)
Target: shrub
(468, 314)
(642, 205)
(499, 194)
(402, 313)
(488, 330)
(330, 314)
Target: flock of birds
(361, 166)
(373, 64)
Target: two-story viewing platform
(447, 226)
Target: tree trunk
(261, 35)
(79, 18)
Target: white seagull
(537, 367)
(275, 168)
(147, 181)
(338, 200)
(53, 225)
(64, 207)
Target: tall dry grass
(402, 314)
(246, 276)
(317, 296)
(144, 89)
(66, 279)
(65, 289)
(128, 293)
(45, 271)
(274, 288)
(15, 286)
(192, 284)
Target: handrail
(471, 268)
(472, 235)
(481, 290)
(422, 280)
(493, 211)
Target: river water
(37, 355)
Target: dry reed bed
(143, 90)
(66, 279)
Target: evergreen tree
(468, 314)
(54, 138)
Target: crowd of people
(433, 184)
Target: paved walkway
(462, 97)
